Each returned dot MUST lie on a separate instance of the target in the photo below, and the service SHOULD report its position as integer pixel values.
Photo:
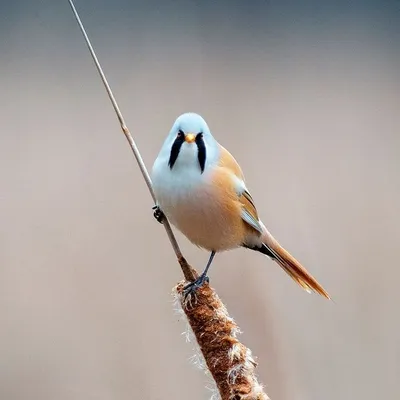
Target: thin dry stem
(188, 273)
(229, 361)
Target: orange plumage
(288, 263)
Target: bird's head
(190, 143)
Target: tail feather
(291, 266)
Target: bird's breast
(205, 210)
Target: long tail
(290, 265)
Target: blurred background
(305, 94)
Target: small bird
(201, 189)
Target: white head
(189, 144)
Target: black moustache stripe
(202, 153)
(176, 147)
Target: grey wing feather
(246, 215)
(248, 218)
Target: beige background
(308, 102)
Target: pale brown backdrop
(304, 94)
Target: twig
(230, 362)
(189, 273)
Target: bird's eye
(180, 134)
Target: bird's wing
(270, 246)
(249, 212)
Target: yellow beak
(190, 138)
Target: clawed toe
(191, 288)
(158, 214)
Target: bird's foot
(191, 288)
(158, 214)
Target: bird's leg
(158, 214)
(193, 286)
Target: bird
(200, 188)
